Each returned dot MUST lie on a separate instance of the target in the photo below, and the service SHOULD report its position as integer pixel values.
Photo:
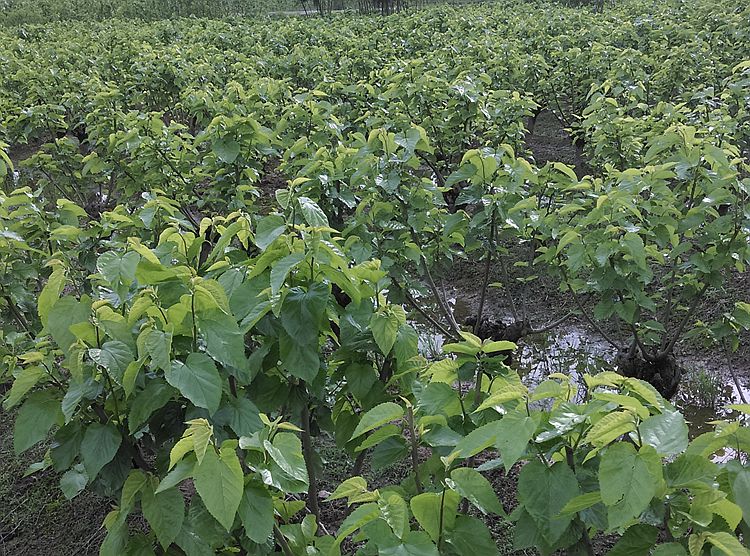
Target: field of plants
(270, 287)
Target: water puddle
(705, 391)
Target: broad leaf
(99, 446)
(219, 482)
(378, 416)
(198, 380)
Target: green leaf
(117, 534)
(313, 214)
(50, 294)
(269, 228)
(99, 446)
(626, 485)
(360, 517)
(507, 393)
(395, 512)
(165, 512)
(286, 451)
(198, 380)
(303, 311)
(352, 487)
(727, 544)
(130, 377)
(386, 431)
(544, 491)
(741, 491)
(25, 381)
(433, 509)
(473, 486)
(582, 502)
(406, 345)
(299, 360)
(636, 541)
(65, 313)
(415, 543)
(133, 485)
(73, 482)
(669, 549)
(181, 471)
(514, 432)
(567, 238)
(158, 345)
(256, 513)
(470, 537)
(388, 452)
(35, 418)
(437, 398)
(219, 482)
(281, 270)
(610, 427)
(667, 433)
(241, 415)
(115, 356)
(690, 470)
(155, 396)
(477, 440)
(494, 347)
(226, 149)
(377, 416)
(384, 326)
(67, 445)
(118, 269)
(224, 340)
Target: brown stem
(506, 277)
(307, 449)
(139, 458)
(433, 288)
(281, 541)
(588, 318)
(440, 523)
(570, 459)
(478, 384)
(359, 463)
(736, 381)
(427, 316)
(693, 306)
(550, 326)
(486, 281)
(435, 170)
(99, 410)
(414, 450)
(17, 315)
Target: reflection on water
(571, 352)
(703, 395)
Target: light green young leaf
(433, 509)
(384, 326)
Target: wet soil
(35, 518)
(549, 142)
